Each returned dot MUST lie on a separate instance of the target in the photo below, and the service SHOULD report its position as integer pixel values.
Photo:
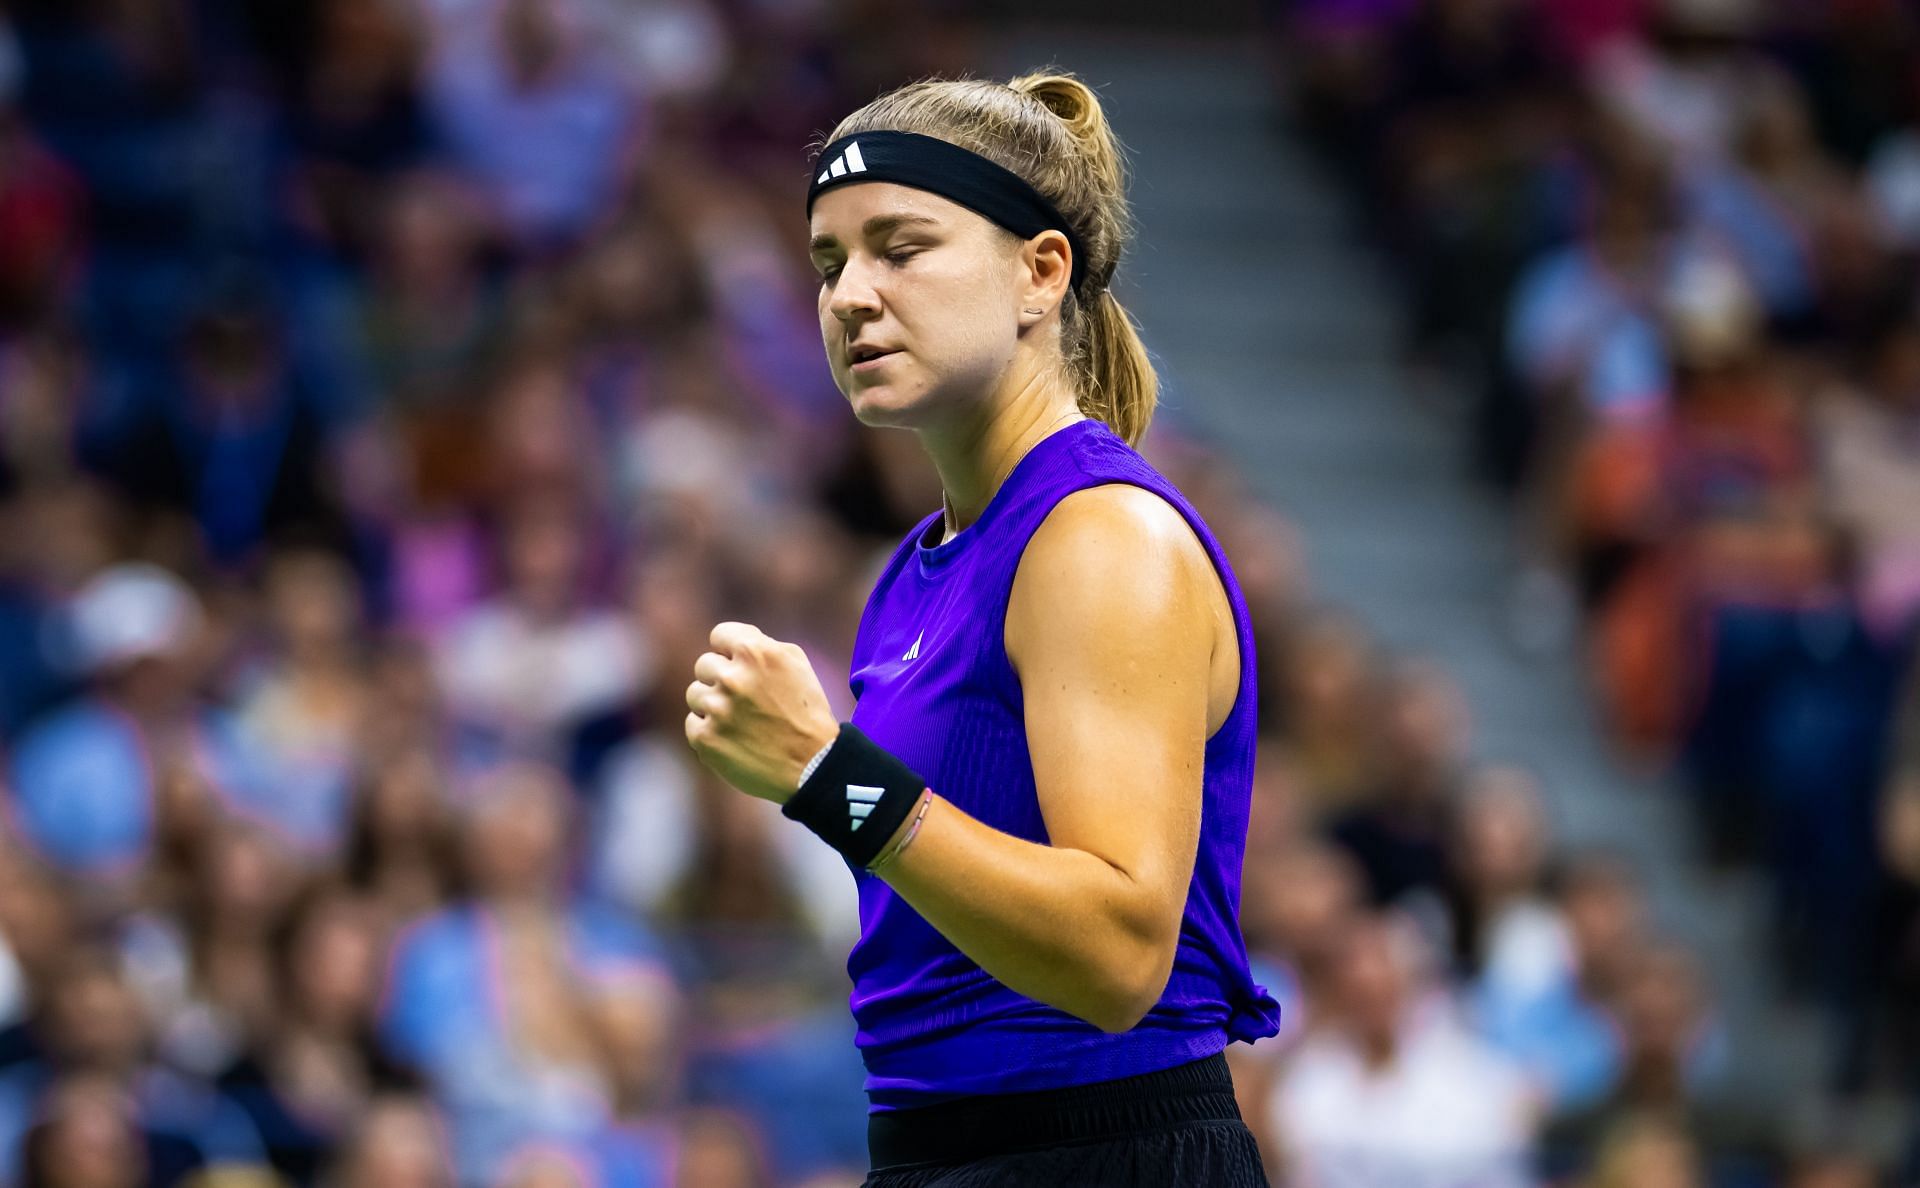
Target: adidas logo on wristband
(856, 783)
(860, 802)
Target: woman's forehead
(850, 212)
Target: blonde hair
(1048, 128)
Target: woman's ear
(1048, 269)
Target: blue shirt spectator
(530, 112)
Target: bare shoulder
(1117, 514)
(1109, 556)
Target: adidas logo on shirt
(913, 653)
(860, 802)
(845, 163)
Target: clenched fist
(757, 712)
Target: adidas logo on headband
(847, 162)
(956, 174)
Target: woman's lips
(871, 364)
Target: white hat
(130, 611)
(1712, 313)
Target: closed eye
(897, 257)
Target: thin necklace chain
(948, 506)
(1044, 434)
(1064, 416)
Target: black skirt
(1171, 1129)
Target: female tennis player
(1043, 790)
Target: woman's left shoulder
(1117, 514)
(1118, 547)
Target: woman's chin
(881, 408)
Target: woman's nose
(854, 296)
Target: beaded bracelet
(906, 839)
(813, 764)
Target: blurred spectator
(215, 990)
(1498, 928)
(306, 701)
(134, 761)
(1893, 180)
(1299, 898)
(400, 845)
(49, 386)
(1394, 1091)
(1647, 1153)
(37, 920)
(307, 1077)
(1298, 901)
(88, 1139)
(1327, 702)
(42, 225)
(112, 89)
(541, 658)
(638, 784)
(234, 443)
(1835, 1170)
(69, 522)
(1670, 1056)
(1869, 444)
(1577, 328)
(490, 997)
(717, 1151)
(1768, 195)
(349, 70)
(1398, 834)
(1881, 1042)
(1546, 1002)
(640, 1021)
(398, 1144)
(1684, 81)
(529, 103)
(742, 910)
(409, 710)
(540, 440)
(94, 1028)
(431, 316)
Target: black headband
(938, 167)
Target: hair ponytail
(1049, 128)
(1118, 384)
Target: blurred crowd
(394, 393)
(1672, 246)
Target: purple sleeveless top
(935, 687)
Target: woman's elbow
(1129, 993)
(1120, 1017)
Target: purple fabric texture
(932, 1024)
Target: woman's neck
(975, 456)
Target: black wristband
(857, 798)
